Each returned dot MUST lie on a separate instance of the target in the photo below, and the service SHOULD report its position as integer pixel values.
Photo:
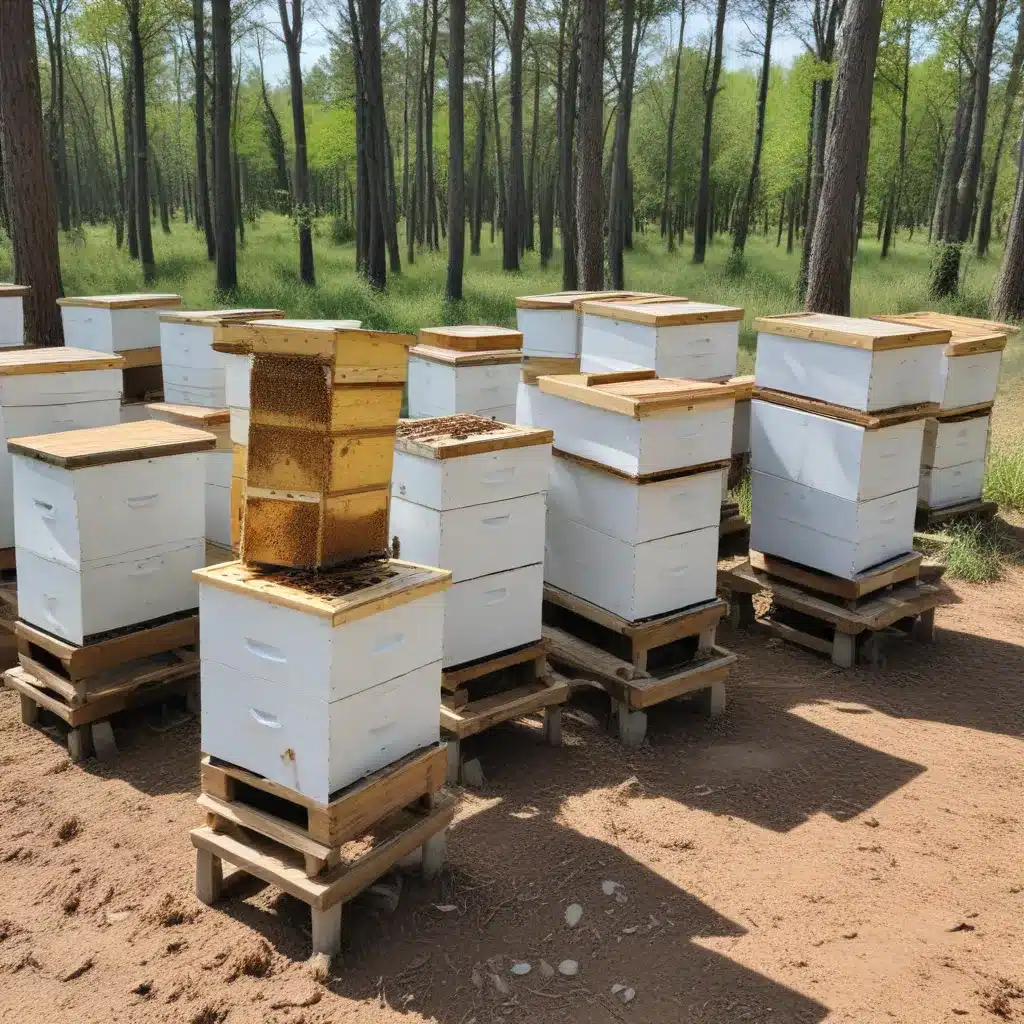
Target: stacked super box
(836, 435)
(12, 315)
(321, 657)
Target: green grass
(1004, 474)
(973, 552)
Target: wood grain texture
(854, 332)
(643, 478)
(565, 300)
(479, 715)
(663, 313)
(535, 367)
(968, 335)
(453, 678)
(136, 358)
(198, 416)
(905, 567)
(13, 291)
(135, 300)
(215, 317)
(471, 338)
(504, 435)
(17, 361)
(868, 420)
(638, 398)
(451, 357)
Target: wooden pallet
(501, 688)
(966, 511)
(84, 686)
(639, 664)
(846, 619)
(322, 854)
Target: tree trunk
(498, 155)
(513, 237)
(477, 212)
(831, 263)
(128, 104)
(739, 240)
(224, 199)
(414, 224)
(161, 196)
(952, 165)
(203, 216)
(620, 154)
(531, 174)
(29, 193)
(700, 230)
(565, 89)
(430, 196)
(141, 138)
(456, 141)
(108, 93)
(791, 222)
(897, 192)
(666, 215)
(1008, 297)
(589, 193)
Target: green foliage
(1004, 475)
(973, 553)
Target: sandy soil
(840, 846)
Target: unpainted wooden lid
(197, 416)
(213, 317)
(133, 300)
(10, 291)
(450, 437)
(664, 313)
(453, 358)
(546, 366)
(121, 442)
(566, 300)
(471, 337)
(968, 335)
(852, 332)
(323, 340)
(745, 384)
(58, 359)
(638, 393)
(342, 595)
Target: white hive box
(51, 389)
(953, 460)
(314, 680)
(469, 495)
(692, 340)
(532, 369)
(861, 364)
(465, 369)
(741, 415)
(108, 526)
(217, 461)
(114, 323)
(193, 371)
(635, 422)
(12, 315)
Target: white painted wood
(193, 376)
(476, 540)
(310, 745)
(632, 512)
(218, 514)
(635, 581)
(826, 532)
(437, 389)
(741, 427)
(951, 485)
(60, 388)
(833, 455)
(26, 421)
(491, 614)
(967, 380)
(954, 443)
(107, 593)
(183, 344)
(218, 468)
(670, 440)
(237, 371)
(239, 425)
(180, 394)
(134, 412)
(690, 351)
(500, 413)
(472, 479)
(843, 375)
(303, 654)
(524, 404)
(12, 321)
(112, 330)
(79, 516)
(549, 332)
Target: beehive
(465, 369)
(692, 340)
(325, 401)
(12, 314)
(115, 323)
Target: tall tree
(275, 136)
(589, 193)
(53, 27)
(140, 136)
(667, 219)
(1008, 297)
(896, 189)
(224, 198)
(514, 237)
(202, 177)
(712, 72)
(531, 170)
(617, 210)
(479, 158)
(456, 140)
(565, 96)
(831, 264)
(291, 28)
(29, 195)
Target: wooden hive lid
(968, 335)
(745, 384)
(453, 358)
(59, 359)
(471, 338)
(641, 299)
(134, 300)
(535, 367)
(853, 332)
(341, 595)
(637, 393)
(197, 416)
(665, 313)
(322, 340)
(121, 442)
(11, 291)
(450, 437)
(214, 317)
(566, 300)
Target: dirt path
(840, 846)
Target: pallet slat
(479, 715)
(455, 678)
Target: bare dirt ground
(840, 846)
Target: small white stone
(568, 968)
(521, 969)
(573, 914)
(617, 988)
(476, 978)
(628, 995)
(631, 930)
(610, 888)
(500, 984)
(546, 970)
(445, 908)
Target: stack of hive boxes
(468, 494)
(465, 369)
(633, 506)
(12, 315)
(128, 325)
(956, 438)
(321, 657)
(836, 433)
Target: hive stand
(303, 847)
(639, 664)
(845, 619)
(966, 511)
(733, 529)
(84, 686)
(8, 617)
(496, 689)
